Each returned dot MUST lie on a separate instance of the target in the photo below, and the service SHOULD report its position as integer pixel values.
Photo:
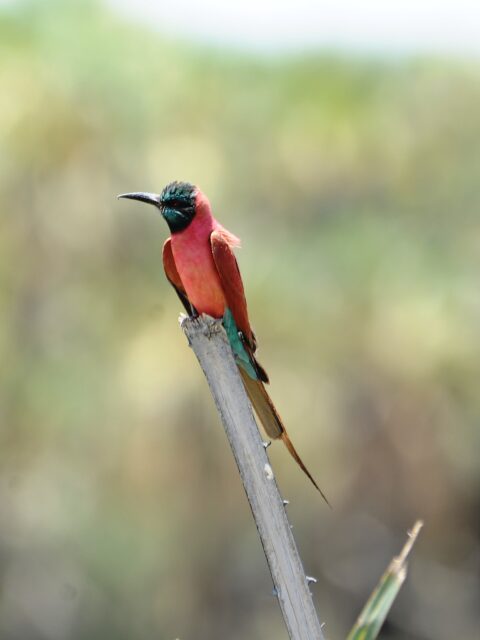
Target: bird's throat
(177, 220)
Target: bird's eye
(175, 204)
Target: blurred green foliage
(354, 185)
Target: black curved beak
(142, 196)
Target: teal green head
(177, 203)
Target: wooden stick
(208, 339)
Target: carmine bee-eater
(200, 264)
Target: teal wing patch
(241, 356)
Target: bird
(200, 264)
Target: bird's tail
(271, 421)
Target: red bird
(200, 264)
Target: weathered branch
(208, 339)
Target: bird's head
(178, 203)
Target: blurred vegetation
(354, 185)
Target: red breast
(194, 261)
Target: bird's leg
(193, 312)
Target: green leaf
(372, 617)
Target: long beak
(142, 196)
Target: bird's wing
(232, 284)
(174, 278)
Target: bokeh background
(354, 182)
